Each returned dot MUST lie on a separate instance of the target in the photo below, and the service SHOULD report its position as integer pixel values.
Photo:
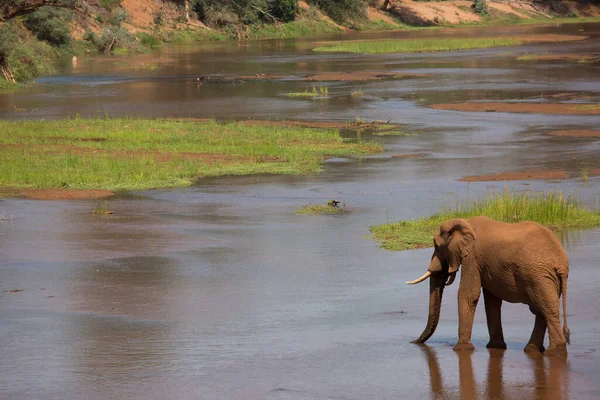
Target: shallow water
(220, 291)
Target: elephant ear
(459, 237)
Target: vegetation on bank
(132, 154)
(34, 36)
(553, 209)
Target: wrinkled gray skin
(519, 263)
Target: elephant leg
(468, 296)
(546, 300)
(536, 342)
(493, 306)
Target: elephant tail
(563, 289)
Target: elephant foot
(533, 348)
(560, 350)
(464, 346)
(496, 345)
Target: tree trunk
(385, 5)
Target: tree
(15, 8)
(385, 5)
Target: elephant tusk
(421, 279)
(451, 279)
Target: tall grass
(416, 45)
(142, 153)
(553, 209)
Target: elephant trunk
(436, 289)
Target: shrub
(245, 11)
(148, 40)
(480, 7)
(8, 40)
(121, 36)
(285, 10)
(31, 60)
(48, 24)
(342, 10)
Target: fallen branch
(7, 73)
(109, 48)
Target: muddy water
(220, 291)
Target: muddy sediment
(323, 124)
(361, 76)
(57, 194)
(411, 155)
(576, 133)
(528, 108)
(582, 58)
(518, 176)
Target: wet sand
(517, 176)
(56, 194)
(534, 108)
(560, 57)
(361, 76)
(576, 133)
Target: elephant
(522, 262)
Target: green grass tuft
(552, 209)
(317, 209)
(302, 94)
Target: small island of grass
(134, 154)
(436, 44)
(553, 210)
(331, 207)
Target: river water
(220, 291)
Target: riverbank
(134, 154)
(36, 42)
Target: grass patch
(322, 91)
(128, 154)
(331, 207)
(587, 107)
(416, 45)
(552, 209)
(302, 94)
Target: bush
(215, 13)
(285, 10)
(8, 40)
(480, 7)
(49, 25)
(121, 36)
(342, 11)
(31, 60)
(149, 40)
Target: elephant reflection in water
(550, 381)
